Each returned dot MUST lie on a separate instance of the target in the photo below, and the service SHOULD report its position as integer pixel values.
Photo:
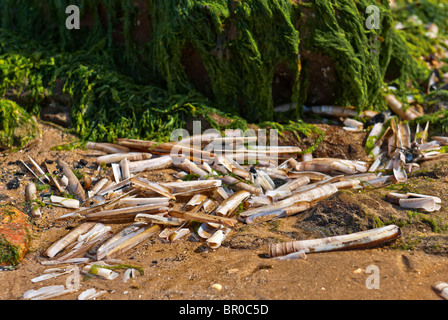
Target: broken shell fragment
(86, 241)
(62, 243)
(417, 195)
(397, 107)
(216, 239)
(234, 183)
(330, 165)
(440, 140)
(442, 289)
(313, 194)
(378, 182)
(209, 205)
(30, 170)
(195, 202)
(228, 206)
(107, 147)
(353, 125)
(312, 175)
(65, 202)
(294, 183)
(130, 273)
(136, 144)
(203, 217)
(155, 187)
(73, 281)
(241, 173)
(91, 294)
(427, 204)
(334, 111)
(265, 181)
(31, 197)
(177, 234)
(99, 271)
(270, 214)
(48, 292)
(126, 214)
(395, 197)
(52, 273)
(188, 166)
(142, 201)
(97, 187)
(39, 169)
(307, 157)
(415, 201)
(118, 238)
(132, 240)
(346, 184)
(205, 230)
(186, 188)
(73, 261)
(117, 172)
(74, 187)
(51, 168)
(258, 201)
(375, 132)
(151, 164)
(117, 157)
(398, 163)
(152, 218)
(292, 256)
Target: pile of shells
(216, 188)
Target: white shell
(117, 172)
(357, 239)
(44, 291)
(442, 289)
(216, 239)
(129, 274)
(151, 164)
(101, 272)
(66, 202)
(132, 156)
(58, 246)
(205, 230)
(180, 233)
(427, 204)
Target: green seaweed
(132, 89)
(9, 253)
(17, 127)
(94, 268)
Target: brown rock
(14, 235)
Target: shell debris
(208, 194)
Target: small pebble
(234, 270)
(13, 184)
(216, 286)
